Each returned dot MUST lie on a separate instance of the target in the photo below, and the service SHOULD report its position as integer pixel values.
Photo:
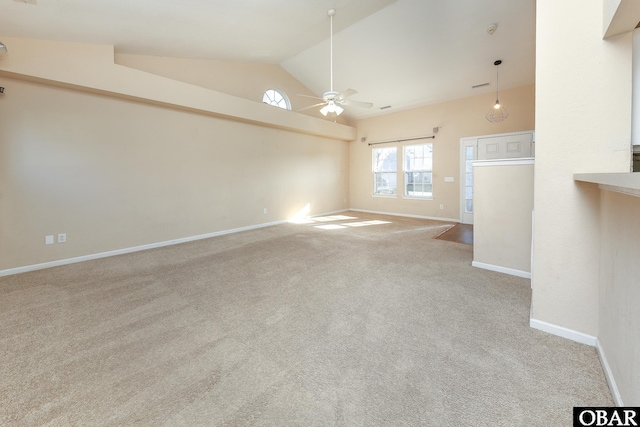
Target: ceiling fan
(332, 101)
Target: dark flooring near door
(459, 233)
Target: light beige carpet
(365, 324)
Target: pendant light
(497, 113)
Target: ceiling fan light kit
(334, 102)
(331, 107)
(497, 113)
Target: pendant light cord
(497, 83)
(497, 64)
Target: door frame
(473, 140)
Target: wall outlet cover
(48, 240)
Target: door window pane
(469, 154)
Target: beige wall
(583, 124)
(91, 68)
(113, 173)
(116, 157)
(456, 119)
(503, 202)
(620, 291)
(242, 79)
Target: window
(418, 163)
(277, 98)
(385, 164)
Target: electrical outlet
(62, 238)
(265, 210)
(48, 240)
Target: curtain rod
(402, 140)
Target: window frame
(407, 170)
(276, 102)
(375, 173)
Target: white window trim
(373, 176)
(282, 94)
(404, 174)
(419, 198)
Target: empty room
(319, 213)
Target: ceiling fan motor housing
(330, 96)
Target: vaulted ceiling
(402, 53)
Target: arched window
(276, 97)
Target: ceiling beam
(620, 16)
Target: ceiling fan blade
(357, 103)
(346, 93)
(312, 106)
(309, 96)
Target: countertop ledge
(625, 182)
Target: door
(490, 147)
(510, 146)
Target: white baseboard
(588, 340)
(407, 215)
(57, 263)
(563, 332)
(617, 399)
(505, 270)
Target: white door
(509, 146)
(490, 147)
